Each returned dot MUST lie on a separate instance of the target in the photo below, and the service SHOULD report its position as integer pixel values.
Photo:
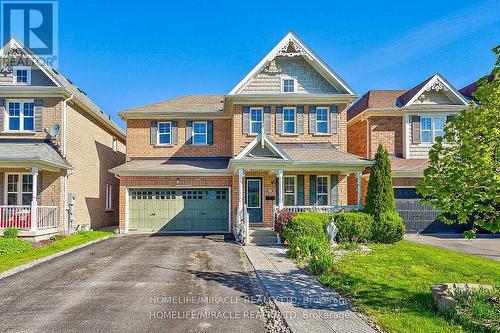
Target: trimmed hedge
(353, 227)
(389, 228)
(307, 224)
(305, 247)
(13, 246)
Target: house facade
(229, 163)
(56, 147)
(407, 123)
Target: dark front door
(254, 199)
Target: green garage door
(179, 210)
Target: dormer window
(22, 75)
(288, 85)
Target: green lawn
(13, 260)
(392, 283)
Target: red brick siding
(389, 132)
(357, 141)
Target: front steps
(262, 236)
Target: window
(21, 116)
(322, 120)
(109, 197)
(22, 75)
(255, 120)
(199, 133)
(19, 189)
(430, 128)
(289, 194)
(288, 85)
(114, 145)
(289, 120)
(322, 191)
(164, 133)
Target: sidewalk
(305, 305)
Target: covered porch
(32, 196)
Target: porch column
(281, 188)
(241, 174)
(34, 204)
(359, 183)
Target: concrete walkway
(305, 305)
(488, 247)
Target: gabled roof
(265, 142)
(61, 81)
(193, 103)
(467, 91)
(376, 99)
(310, 56)
(436, 80)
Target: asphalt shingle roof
(192, 103)
(318, 152)
(173, 164)
(32, 151)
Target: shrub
(13, 246)
(11, 233)
(307, 224)
(284, 217)
(305, 247)
(389, 228)
(353, 227)
(321, 264)
(380, 193)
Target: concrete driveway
(136, 283)
(488, 247)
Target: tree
(463, 176)
(380, 194)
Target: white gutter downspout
(65, 200)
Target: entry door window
(253, 193)
(19, 189)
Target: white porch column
(281, 188)
(34, 204)
(241, 174)
(359, 183)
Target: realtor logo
(34, 23)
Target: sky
(130, 53)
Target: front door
(254, 200)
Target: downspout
(65, 199)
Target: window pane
(26, 198)
(22, 76)
(28, 109)
(12, 183)
(164, 127)
(199, 139)
(256, 127)
(288, 85)
(14, 124)
(322, 200)
(200, 128)
(27, 183)
(321, 115)
(289, 184)
(12, 199)
(322, 127)
(289, 114)
(289, 200)
(256, 115)
(289, 127)
(426, 136)
(28, 124)
(164, 138)
(426, 123)
(14, 109)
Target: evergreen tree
(380, 194)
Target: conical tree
(380, 194)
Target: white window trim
(19, 187)
(206, 133)
(294, 189)
(287, 121)
(14, 75)
(283, 85)
(432, 130)
(327, 189)
(158, 134)
(327, 119)
(261, 110)
(109, 198)
(21, 115)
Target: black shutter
(300, 190)
(312, 190)
(210, 132)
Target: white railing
(46, 217)
(20, 217)
(242, 225)
(319, 209)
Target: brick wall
(139, 144)
(90, 152)
(389, 132)
(169, 182)
(240, 140)
(357, 142)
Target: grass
(478, 310)
(12, 260)
(392, 283)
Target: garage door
(179, 210)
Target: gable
(433, 91)
(261, 152)
(14, 54)
(291, 58)
(436, 96)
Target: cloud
(429, 37)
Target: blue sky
(130, 53)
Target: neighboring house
(406, 122)
(56, 147)
(277, 141)
(470, 89)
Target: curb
(37, 262)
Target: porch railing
(20, 217)
(319, 209)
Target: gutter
(66, 227)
